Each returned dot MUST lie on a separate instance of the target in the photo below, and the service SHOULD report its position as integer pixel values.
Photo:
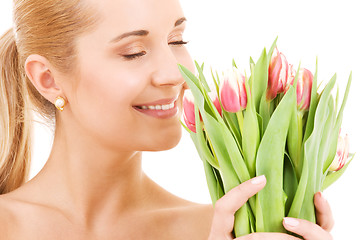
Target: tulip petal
(229, 91)
(191, 126)
(333, 176)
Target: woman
(106, 71)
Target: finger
(309, 230)
(324, 215)
(226, 206)
(270, 236)
(239, 195)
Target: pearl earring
(60, 103)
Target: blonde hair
(48, 28)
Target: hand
(225, 208)
(312, 231)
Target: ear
(42, 75)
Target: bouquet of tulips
(262, 124)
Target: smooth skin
(92, 185)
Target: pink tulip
(291, 77)
(303, 88)
(342, 154)
(232, 91)
(191, 126)
(278, 74)
(189, 110)
(214, 98)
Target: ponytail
(48, 28)
(15, 117)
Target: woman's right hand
(225, 208)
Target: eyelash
(134, 56)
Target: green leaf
(294, 140)
(297, 202)
(186, 128)
(216, 82)
(213, 180)
(295, 136)
(260, 79)
(220, 185)
(251, 132)
(260, 221)
(225, 148)
(273, 46)
(336, 129)
(337, 99)
(203, 148)
(311, 149)
(252, 61)
(313, 104)
(242, 222)
(325, 145)
(209, 174)
(200, 94)
(270, 161)
(260, 121)
(231, 121)
(290, 182)
(202, 77)
(189, 76)
(264, 112)
(233, 63)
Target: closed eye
(179, 43)
(142, 53)
(133, 56)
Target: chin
(166, 141)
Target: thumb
(225, 207)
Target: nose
(166, 71)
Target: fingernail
(258, 180)
(321, 195)
(291, 222)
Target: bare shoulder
(182, 219)
(193, 221)
(7, 216)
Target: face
(127, 67)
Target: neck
(92, 181)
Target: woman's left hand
(311, 231)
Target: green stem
(298, 161)
(240, 118)
(211, 146)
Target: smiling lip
(162, 114)
(164, 101)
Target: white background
(221, 30)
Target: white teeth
(159, 107)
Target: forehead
(126, 15)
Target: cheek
(103, 105)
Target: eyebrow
(142, 32)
